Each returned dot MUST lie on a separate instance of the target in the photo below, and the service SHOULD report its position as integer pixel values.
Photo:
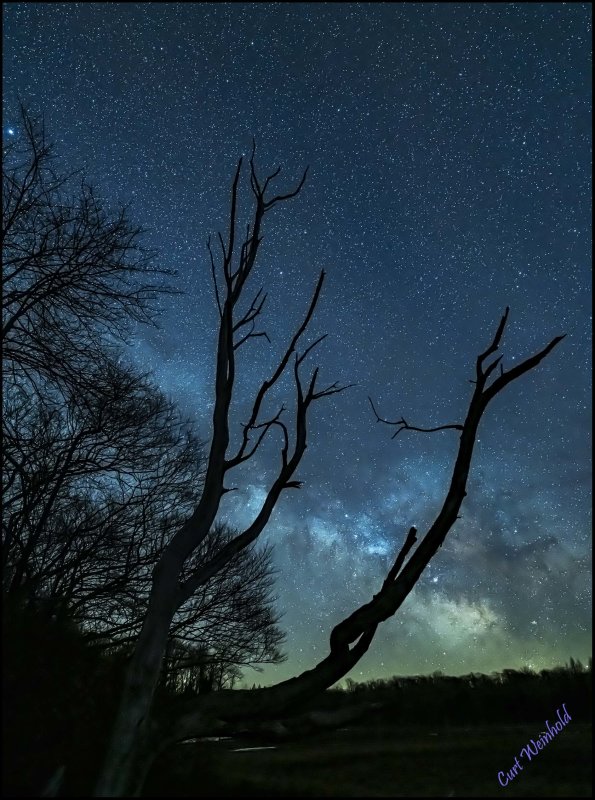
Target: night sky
(449, 153)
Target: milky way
(449, 153)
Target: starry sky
(449, 153)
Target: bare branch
(493, 346)
(334, 388)
(232, 225)
(268, 384)
(393, 593)
(281, 197)
(395, 569)
(311, 347)
(264, 427)
(489, 369)
(214, 277)
(270, 178)
(251, 335)
(253, 312)
(512, 374)
(403, 425)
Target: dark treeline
(510, 696)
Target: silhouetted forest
(509, 696)
(60, 693)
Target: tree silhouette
(137, 734)
(76, 276)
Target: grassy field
(384, 762)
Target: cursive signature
(532, 749)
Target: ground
(384, 761)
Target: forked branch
(267, 385)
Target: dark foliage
(507, 697)
(59, 695)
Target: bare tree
(93, 489)
(349, 640)
(76, 277)
(229, 623)
(137, 736)
(173, 583)
(88, 480)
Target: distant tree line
(510, 696)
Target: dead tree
(131, 746)
(229, 711)
(351, 638)
(137, 737)
(98, 467)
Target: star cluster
(449, 153)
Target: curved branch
(405, 426)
